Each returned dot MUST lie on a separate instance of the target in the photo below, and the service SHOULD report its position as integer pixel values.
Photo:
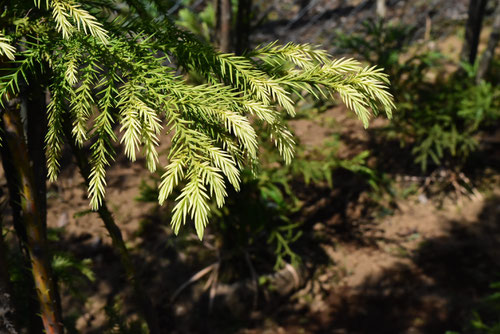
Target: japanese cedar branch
(122, 73)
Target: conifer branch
(104, 77)
(6, 49)
(64, 10)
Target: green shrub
(443, 121)
(440, 119)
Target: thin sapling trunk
(143, 301)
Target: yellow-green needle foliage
(6, 49)
(119, 82)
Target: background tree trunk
(243, 26)
(488, 54)
(224, 11)
(473, 30)
(381, 9)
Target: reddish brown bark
(33, 223)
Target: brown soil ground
(414, 268)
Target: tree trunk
(142, 299)
(243, 26)
(473, 30)
(33, 223)
(224, 13)
(381, 9)
(6, 307)
(488, 54)
(34, 323)
(36, 130)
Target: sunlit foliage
(118, 80)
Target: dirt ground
(411, 267)
(417, 271)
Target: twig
(213, 287)
(294, 273)
(300, 14)
(144, 302)
(255, 279)
(193, 279)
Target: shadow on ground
(446, 278)
(432, 292)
